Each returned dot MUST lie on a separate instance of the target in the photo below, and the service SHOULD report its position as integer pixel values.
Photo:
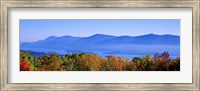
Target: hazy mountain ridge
(100, 40)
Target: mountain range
(101, 42)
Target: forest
(92, 62)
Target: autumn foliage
(92, 62)
(24, 65)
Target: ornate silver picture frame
(5, 5)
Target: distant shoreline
(40, 54)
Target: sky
(34, 30)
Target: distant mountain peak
(51, 37)
(101, 35)
(98, 34)
(148, 35)
(171, 35)
(156, 35)
(151, 34)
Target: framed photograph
(99, 45)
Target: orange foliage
(119, 65)
(92, 62)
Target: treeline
(92, 62)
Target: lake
(127, 52)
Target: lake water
(139, 51)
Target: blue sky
(34, 30)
